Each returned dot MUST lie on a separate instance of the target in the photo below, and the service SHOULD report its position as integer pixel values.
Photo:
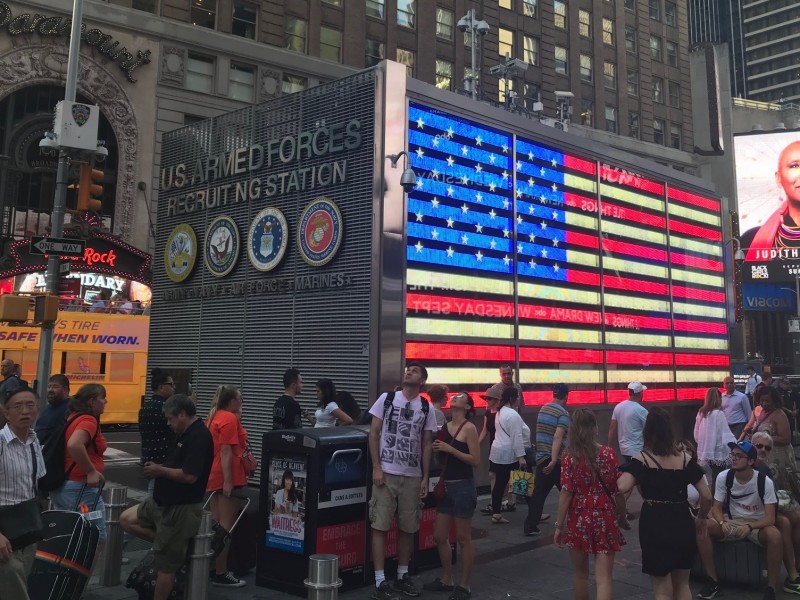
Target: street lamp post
(470, 23)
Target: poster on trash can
(287, 488)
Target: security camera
(482, 27)
(101, 153)
(463, 24)
(408, 180)
(497, 70)
(564, 94)
(48, 144)
(739, 257)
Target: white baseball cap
(636, 387)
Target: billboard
(768, 189)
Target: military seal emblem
(180, 253)
(319, 234)
(222, 246)
(268, 238)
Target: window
(295, 35)
(658, 90)
(242, 82)
(444, 24)
(330, 44)
(200, 73)
(631, 40)
(611, 119)
(532, 95)
(405, 13)
(655, 48)
(203, 13)
(560, 54)
(505, 44)
(145, 5)
(671, 14)
(504, 4)
(531, 50)
(655, 10)
(501, 90)
(406, 57)
(608, 31)
(376, 8)
(658, 131)
(672, 54)
(610, 75)
(529, 8)
(675, 136)
(559, 14)
(630, 5)
(84, 363)
(585, 23)
(586, 68)
(374, 53)
(674, 98)
(293, 83)
(444, 74)
(245, 19)
(633, 125)
(333, 2)
(120, 366)
(587, 113)
(633, 83)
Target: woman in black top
(458, 442)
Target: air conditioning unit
(75, 125)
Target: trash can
(313, 501)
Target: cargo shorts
(175, 527)
(398, 495)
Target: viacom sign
(769, 297)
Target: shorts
(66, 498)
(175, 527)
(398, 495)
(750, 537)
(460, 499)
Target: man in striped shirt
(551, 439)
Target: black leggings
(502, 473)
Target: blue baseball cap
(746, 447)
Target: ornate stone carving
(270, 86)
(38, 64)
(173, 65)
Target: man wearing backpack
(400, 444)
(745, 509)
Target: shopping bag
(520, 483)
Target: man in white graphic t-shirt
(400, 444)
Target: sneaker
(533, 532)
(487, 510)
(506, 507)
(384, 592)
(792, 587)
(710, 590)
(769, 594)
(406, 586)
(437, 585)
(228, 580)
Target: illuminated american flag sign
(568, 267)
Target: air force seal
(180, 253)
(222, 246)
(269, 236)
(319, 233)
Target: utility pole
(44, 365)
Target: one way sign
(62, 247)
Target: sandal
(437, 585)
(498, 520)
(460, 593)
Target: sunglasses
(763, 447)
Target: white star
(478, 168)
(543, 225)
(478, 141)
(465, 239)
(544, 252)
(519, 248)
(518, 193)
(554, 187)
(506, 260)
(541, 170)
(531, 181)
(492, 187)
(542, 199)
(450, 252)
(419, 217)
(435, 234)
(450, 132)
(450, 191)
(418, 246)
(464, 150)
(420, 153)
(464, 208)
(435, 203)
(419, 183)
(505, 175)
(492, 158)
(449, 222)
(479, 198)
(555, 243)
(478, 227)
(555, 215)
(532, 264)
(506, 203)
(555, 268)
(530, 155)
(450, 161)
(492, 244)
(420, 123)
(519, 220)
(464, 180)
(505, 148)
(506, 232)
(435, 174)
(553, 162)
(532, 238)
(518, 166)
(492, 214)
(479, 256)
(436, 142)
(530, 209)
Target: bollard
(323, 581)
(200, 560)
(116, 500)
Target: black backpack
(761, 483)
(366, 417)
(54, 450)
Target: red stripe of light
(634, 216)
(581, 239)
(637, 322)
(430, 351)
(542, 397)
(680, 291)
(575, 276)
(693, 199)
(621, 357)
(578, 164)
(635, 285)
(698, 263)
(634, 250)
(692, 393)
(702, 360)
(554, 355)
(701, 327)
(650, 395)
(695, 230)
(624, 178)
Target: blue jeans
(66, 498)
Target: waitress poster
(287, 488)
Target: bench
(738, 563)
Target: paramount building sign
(327, 140)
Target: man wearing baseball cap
(627, 423)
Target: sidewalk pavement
(508, 566)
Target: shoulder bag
(22, 523)
(249, 460)
(438, 490)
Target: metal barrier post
(200, 563)
(323, 581)
(116, 500)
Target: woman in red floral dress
(590, 509)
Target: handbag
(438, 489)
(22, 523)
(520, 483)
(249, 460)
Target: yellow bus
(110, 349)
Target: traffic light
(89, 189)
